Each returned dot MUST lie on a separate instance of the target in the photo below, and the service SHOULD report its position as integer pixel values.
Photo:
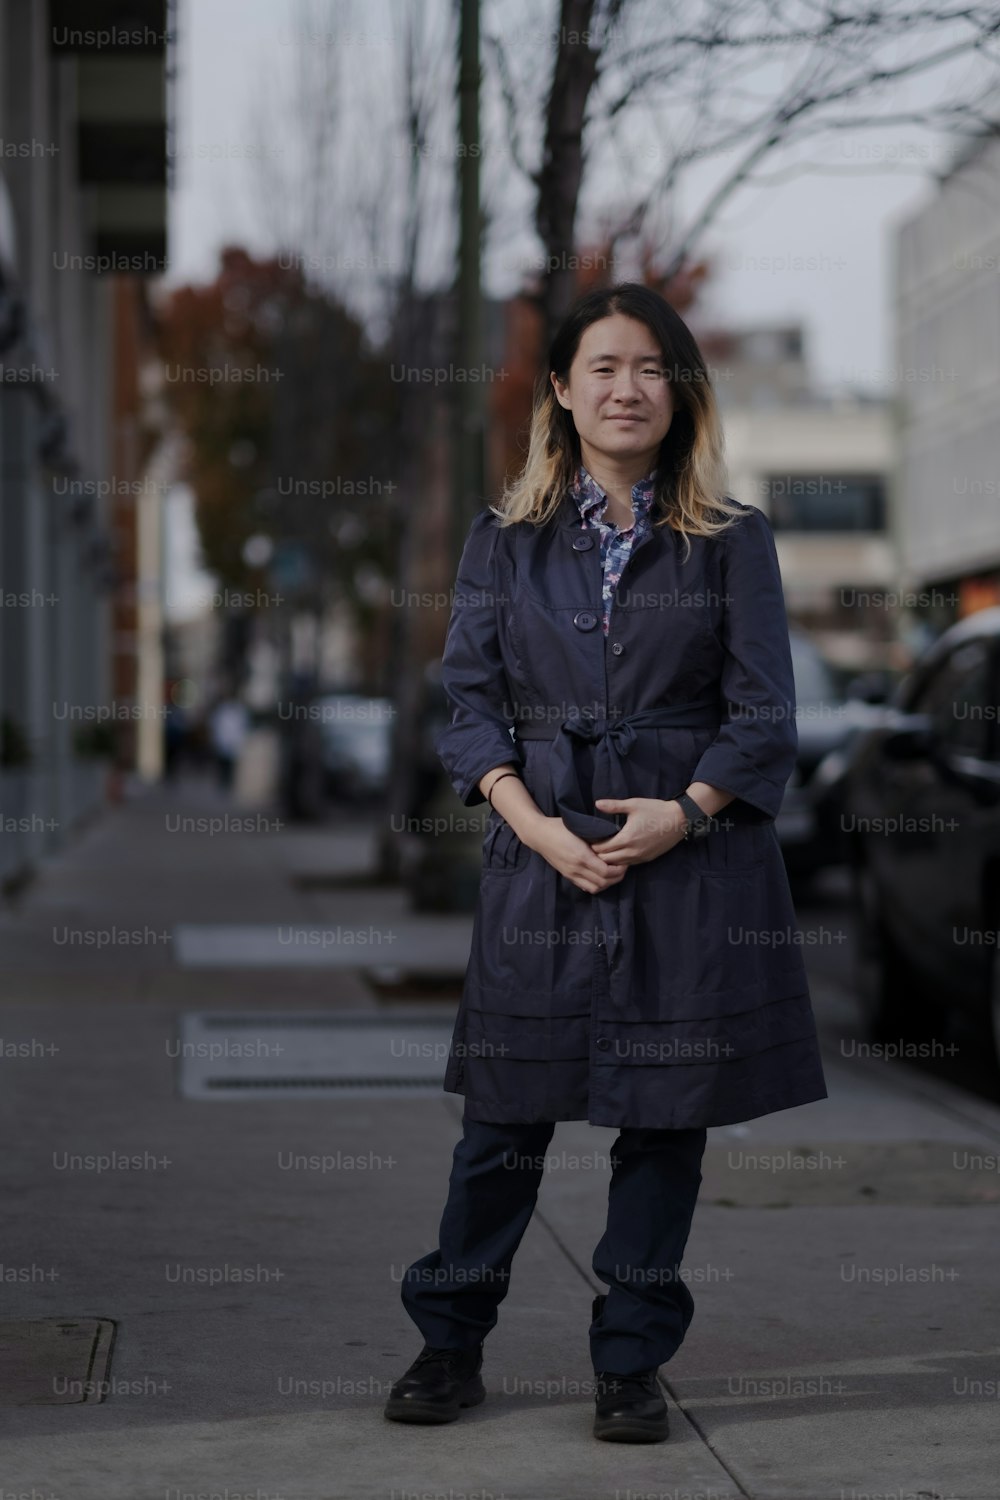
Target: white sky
(233, 55)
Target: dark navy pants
(453, 1294)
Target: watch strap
(698, 821)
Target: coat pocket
(748, 941)
(503, 851)
(731, 913)
(739, 849)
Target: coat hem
(694, 1120)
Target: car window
(959, 699)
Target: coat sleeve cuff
(725, 768)
(466, 774)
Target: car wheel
(883, 984)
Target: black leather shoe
(436, 1387)
(630, 1408)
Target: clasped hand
(651, 828)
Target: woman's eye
(609, 370)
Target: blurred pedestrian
(228, 725)
(619, 673)
(176, 728)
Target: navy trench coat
(678, 997)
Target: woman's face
(618, 390)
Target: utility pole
(469, 405)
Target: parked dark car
(356, 739)
(828, 721)
(334, 747)
(440, 849)
(922, 817)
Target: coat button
(603, 1044)
(617, 648)
(584, 620)
(583, 544)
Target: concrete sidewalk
(846, 1339)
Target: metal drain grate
(405, 942)
(227, 1056)
(371, 1085)
(55, 1361)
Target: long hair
(691, 474)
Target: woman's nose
(625, 388)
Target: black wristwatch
(699, 823)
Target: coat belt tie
(588, 750)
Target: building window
(825, 502)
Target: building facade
(83, 109)
(821, 469)
(948, 356)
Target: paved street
(246, 1243)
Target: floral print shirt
(616, 545)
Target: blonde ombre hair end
(691, 494)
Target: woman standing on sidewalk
(619, 671)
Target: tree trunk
(561, 171)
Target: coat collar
(590, 498)
(584, 494)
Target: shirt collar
(591, 500)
